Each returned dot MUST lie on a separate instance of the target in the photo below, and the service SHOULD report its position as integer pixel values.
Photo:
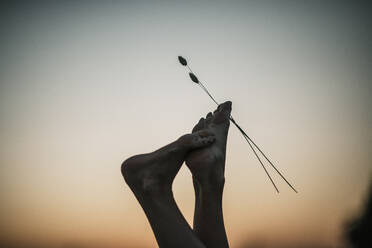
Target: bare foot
(155, 171)
(207, 164)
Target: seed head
(182, 60)
(194, 78)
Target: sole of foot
(155, 171)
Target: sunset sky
(85, 85)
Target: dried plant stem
(250, 142)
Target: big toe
(225, 107)
(223, 112)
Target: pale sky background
(85, 85)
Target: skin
(150, 177)
(207, 166)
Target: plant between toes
(250, 142)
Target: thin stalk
(263, 154)
(206, 91)
(268, 160)
(267, 173)
(249, 140)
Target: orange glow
(84, 88)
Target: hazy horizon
(85, 85)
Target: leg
(150, 177)
(207, 166)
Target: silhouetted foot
(154, 172)
(207, 164)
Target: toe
(204, 133)
(203, 139)
(208, 118)
(199, 126)
(225, 107)
(198, 139)
(223, 112)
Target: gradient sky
(85, 85)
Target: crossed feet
(203, 150)
(150, 177)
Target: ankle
(214, 186)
